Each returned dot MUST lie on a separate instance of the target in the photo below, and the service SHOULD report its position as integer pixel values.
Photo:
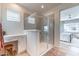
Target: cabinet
(33, 42)
(70, 14)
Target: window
(71, 27)
(31, 20)
(13, 15)
(46, 28)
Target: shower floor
(43, 47)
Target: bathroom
(28, 32)
(31, 29)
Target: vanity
(19, 38)
(33, 39)
(27, 41)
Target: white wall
(12, 27)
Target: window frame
(17, 13)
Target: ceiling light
(42, 6)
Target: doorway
(69, 27)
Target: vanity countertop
(13, 35)
(8, 38)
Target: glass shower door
(47, 33)
(43, 34)
(50, 40)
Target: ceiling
(36, 7)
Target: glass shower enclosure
(47, 34)
(44, 35)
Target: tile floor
(63, 50)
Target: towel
(1, 38)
